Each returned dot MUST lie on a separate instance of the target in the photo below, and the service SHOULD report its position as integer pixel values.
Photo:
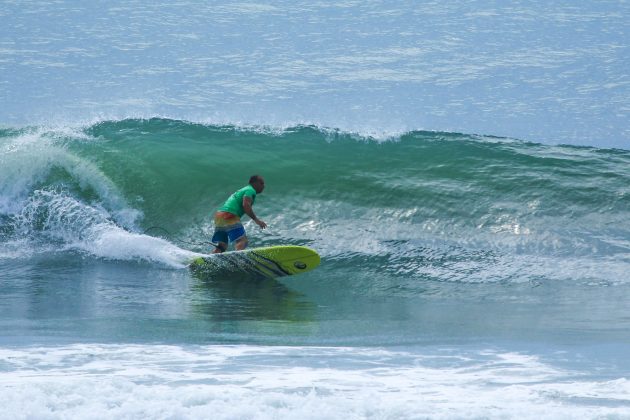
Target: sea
(462, 168)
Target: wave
(154, 381)
(405, 203)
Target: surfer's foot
(219, 248)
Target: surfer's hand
(260, 223)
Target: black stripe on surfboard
(278, 268)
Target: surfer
(227, 220)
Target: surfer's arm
(247, 206)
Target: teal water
(463, 168)
(424, 219)
(432, 244)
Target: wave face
(424, 205)
(487, 264)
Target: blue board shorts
(227, 227)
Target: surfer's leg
(221, 235)
(220, 238)
(237, 235)
(221, 247)
(241, 243)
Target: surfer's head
(258, 182)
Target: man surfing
(227, 220)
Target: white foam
(69, 224)
(144, 381)
(114, 243)
(27, 159)
(102, 228)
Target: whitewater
(463, 169)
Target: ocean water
(463, 168)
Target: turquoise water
(463, 170)
(441, 253)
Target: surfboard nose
(299, 265)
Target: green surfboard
(258, 263)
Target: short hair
(254, 178)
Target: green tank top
(234, 204)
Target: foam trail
(118, 244)
(64, 220)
